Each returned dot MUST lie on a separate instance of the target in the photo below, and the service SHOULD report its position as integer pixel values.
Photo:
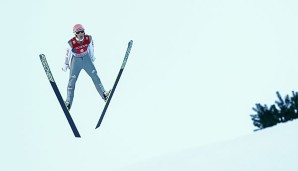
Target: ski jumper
(78, 57)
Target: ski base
(58, 95)
(115, 84)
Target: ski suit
(79, 56)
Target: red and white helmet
(78, 27)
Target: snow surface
(273, 149)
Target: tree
(282, 111)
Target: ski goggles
(79, 32)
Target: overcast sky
(195, 71)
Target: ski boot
(106, 95)
(67, 105)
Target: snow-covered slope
(273, 149)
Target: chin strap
(79, 39)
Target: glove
(93, 58)
(65, 67)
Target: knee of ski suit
(72, 82)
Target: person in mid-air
(80, 55)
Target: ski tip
(41, 56)
(130, 42)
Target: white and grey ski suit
(80, 55)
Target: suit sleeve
(68, 54)
(91, 48)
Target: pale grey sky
(195, 71)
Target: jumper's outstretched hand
(93, 58)
(65, 67)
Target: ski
(115, 84)
(58, 95)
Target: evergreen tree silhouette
(282, 111)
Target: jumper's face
(80, 34)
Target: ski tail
(58, 95)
